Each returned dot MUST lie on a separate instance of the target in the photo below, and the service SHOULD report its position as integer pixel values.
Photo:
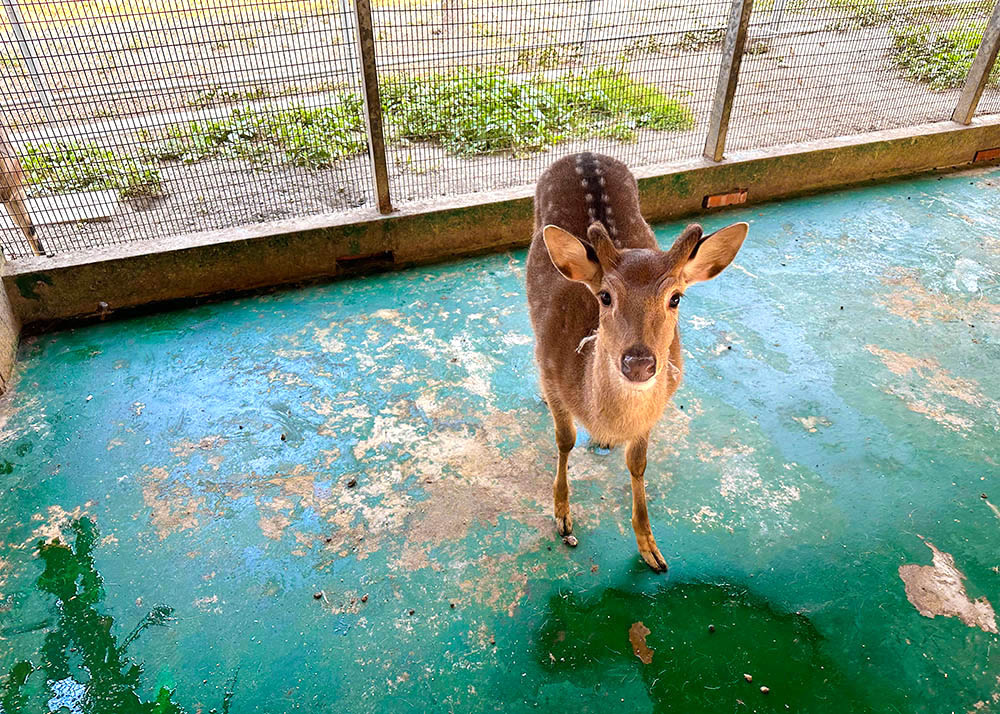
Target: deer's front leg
(565, 439)
(635, 457)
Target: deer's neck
(620, 411)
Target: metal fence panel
(989, 103)
(174, 116)
(483, 95)
(824, 68)
(139, 119)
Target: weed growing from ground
(68, 166)
(470, 112)
(940, 59)
(475, 111)
(311, 137)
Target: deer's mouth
(638, 386)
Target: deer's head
(639, 290)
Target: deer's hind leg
(565, 439)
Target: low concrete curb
(45, 292)
(10, 329)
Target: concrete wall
(10, 329)
(47, 291)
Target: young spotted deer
(603, 300)
(12, 192)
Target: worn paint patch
(185, 448)
(5, 568)
(28, 415)
(985, 706)
(637, 638)
(934, 385)
(328, 341)
(912, 301)
(811, 423)
(741, 483)
(173, 505)
(938, 590)
(55, 524)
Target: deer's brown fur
(12, 192)
(613, 367)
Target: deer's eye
(675, 300)
(605, 297)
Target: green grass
(871, 13)
(940, 59)
(865, 13)
(697, 40)
(472, 112)
(64, 167)
(315, 137)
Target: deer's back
(564, 312)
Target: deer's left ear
(713, 253)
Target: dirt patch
(938, 590)
(637, 638)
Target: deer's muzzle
(638, 364)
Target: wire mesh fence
(822, 68)
(138, 119)
(483, 95)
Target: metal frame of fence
(378, 47)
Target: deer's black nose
(638, 364)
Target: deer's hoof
(654, 560)
(651, 554)
(564, 525)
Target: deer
(12, 192)
(603, 300)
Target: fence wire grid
(131, 120)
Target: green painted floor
(381, 443)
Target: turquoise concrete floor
(337, 499)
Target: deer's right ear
(570, 256)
